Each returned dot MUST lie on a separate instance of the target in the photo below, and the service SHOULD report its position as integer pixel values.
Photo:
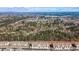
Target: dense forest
(29, 28)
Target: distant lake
(41, 13)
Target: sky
(39, 9)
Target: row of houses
(39, 45)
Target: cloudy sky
(39, 9)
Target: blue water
(41, 13)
